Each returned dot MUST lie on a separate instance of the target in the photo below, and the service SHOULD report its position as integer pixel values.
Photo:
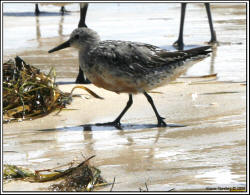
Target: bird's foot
(115, 123)
(161, 122)
(213, 42)
(63, 10)
(81, 80)
(213, 39)
(179, 45)
(37, 13)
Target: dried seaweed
(219, 93)
(202, 76)
(14, 172)
(82, 177)
(29, 93)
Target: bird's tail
(180, 64)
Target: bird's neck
(83, 55)
(83, 52)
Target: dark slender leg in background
(62, 10)
(161, 123)
(81, 79)
(209, 16)
(83, 11)
(117, 122)
(179, 43)
(37, 11)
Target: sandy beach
(206, 152)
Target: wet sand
(209, 152)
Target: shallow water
(209, 152)
(158, 24)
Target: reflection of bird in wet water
(81, 78)
(129, 67)
(62, 5)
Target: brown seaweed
(82, 177)
(14, 172)
(29, 93)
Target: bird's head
(80, 38)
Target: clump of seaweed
(80, 178)
(29, 93)
(83, 177)
(14, 172)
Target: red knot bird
(129, 67)
(179, 44)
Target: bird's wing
(133, 57)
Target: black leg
(37, 11)
(179, 43)
(62, 10)
(161, 123)
(209, 16)
(117, 122)
(81, 79)
(83, 11)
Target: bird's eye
(76, 36)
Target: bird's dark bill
(59, 47)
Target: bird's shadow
(23, 14)
(95, 127)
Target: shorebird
(179, 44)
(129, 67)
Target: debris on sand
(29, 93)
(80, 178)
(15, 172)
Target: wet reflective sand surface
(204, 147)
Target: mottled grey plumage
(142, 65)
(129, 67)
